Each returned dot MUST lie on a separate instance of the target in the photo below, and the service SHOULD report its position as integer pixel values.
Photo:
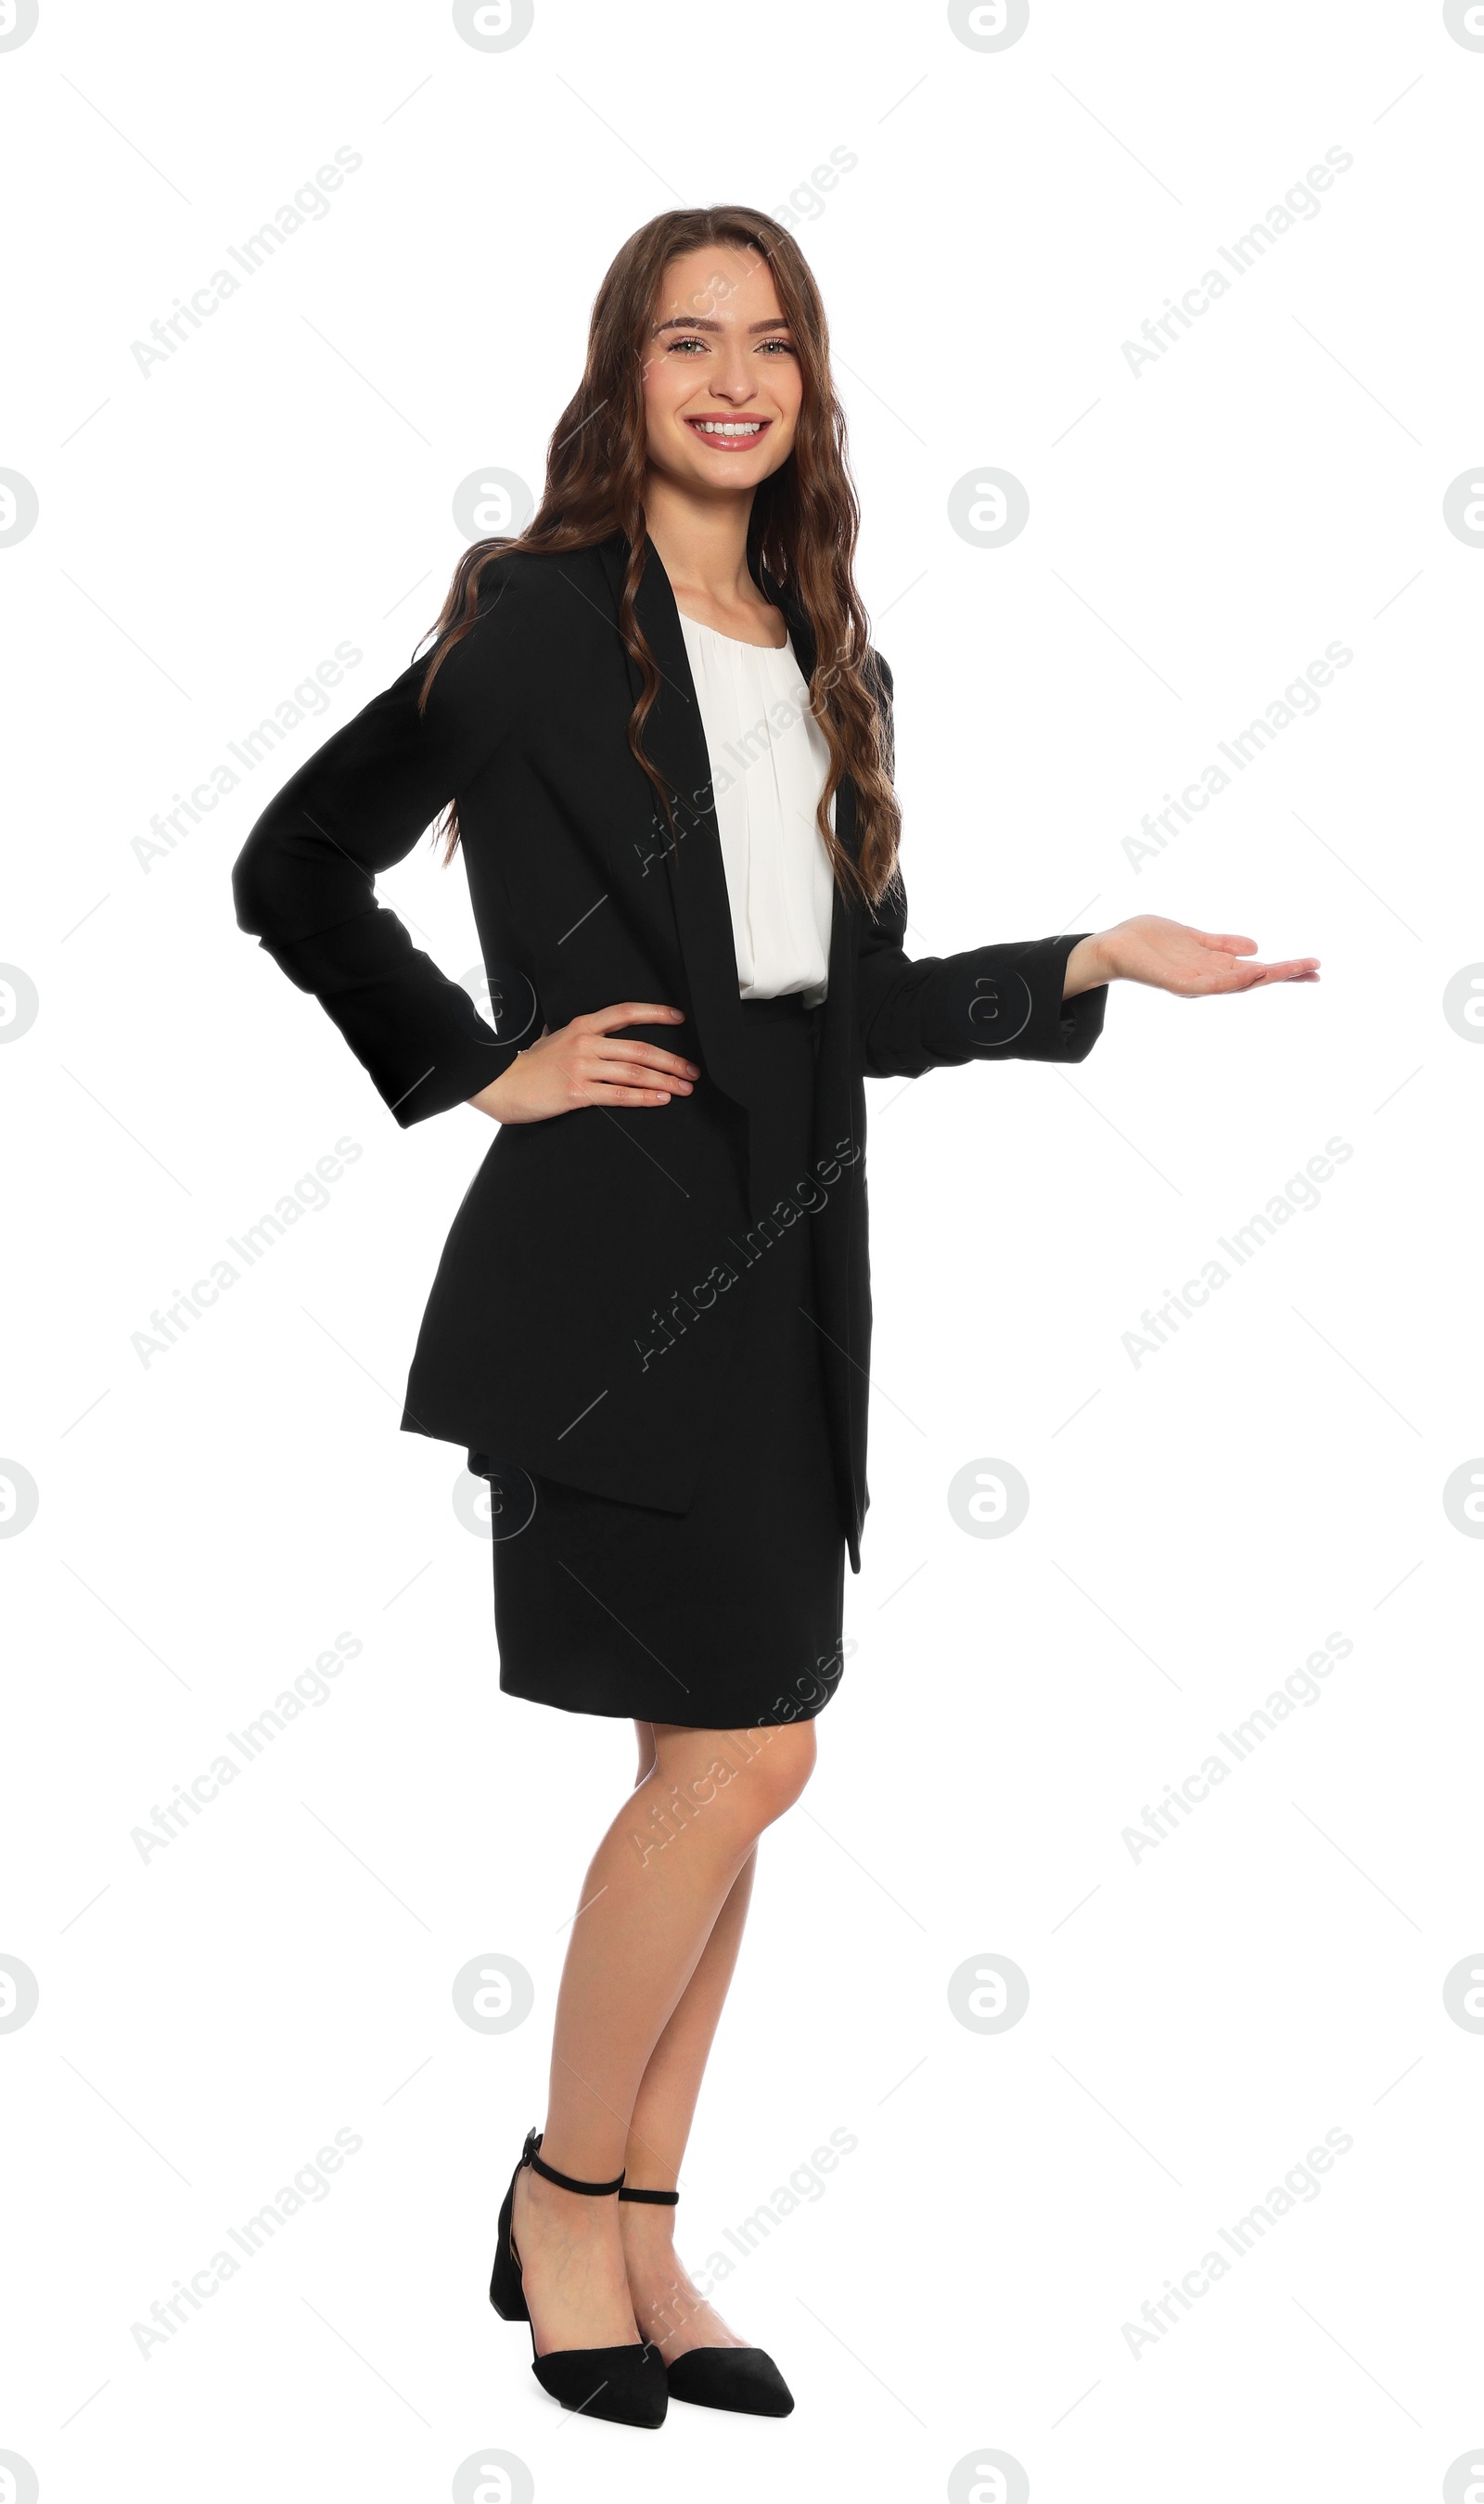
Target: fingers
(599, 1093)
(1245, 977)
(621, 1073)
(1295, 970)
(652, 1055)
(629, 1013)
(630, 1064)
(1249, 978)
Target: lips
(729, 433)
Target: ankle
(647, 2222)
(577, 2217)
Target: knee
(737, 1782)
(774, 1776)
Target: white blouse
(769, 760)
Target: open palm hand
(1172, 958)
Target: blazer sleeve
(998, 1002)
(304, 883)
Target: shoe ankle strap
(660, 2199)
(564, 2181)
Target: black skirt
(728, 1616)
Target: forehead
(720, 283)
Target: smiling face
(722, 381)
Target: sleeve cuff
(991, 1001)
(419, 1037)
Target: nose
(734, 380)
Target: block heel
(627, 2384)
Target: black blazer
(582, 1318)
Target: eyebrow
(703, 321)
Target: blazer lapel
(674, 741)
(838, 989)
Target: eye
(690, 341)
(784, 347)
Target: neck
(702, 540)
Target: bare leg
(666, 2103)
(649, 1906)
(668, 2305)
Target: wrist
(1087, 966)
(494, 1099)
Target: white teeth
(710, 426)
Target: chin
(711, 474)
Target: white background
(1198, 1523)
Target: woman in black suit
(650, 1327)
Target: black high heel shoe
(627, 2384)
(742, 2378)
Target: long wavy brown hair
(802, 528)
